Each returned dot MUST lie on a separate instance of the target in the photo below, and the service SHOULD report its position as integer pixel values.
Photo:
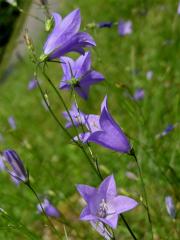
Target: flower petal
(82, 65)
(123, 204)
(86, 191)
(107, 188)
(54, 35)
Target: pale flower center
(102, 211)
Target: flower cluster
(104, 205)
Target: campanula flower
(12, 122)
(104, 24)
(65, 37)
(170, 206)
(104, 131)
(78, 74)
(32, 84)
(49, 209)
(103, 203)
(124, 27)
(149, 75)
(14, 166)
(2, 166)
(101, 229)
(139, 94)
(167, 130)
(77, 116)
(178, 9)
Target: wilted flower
(14, 166)
(170, 206)
(124, 27)
(168, 129)
(78, 74)
(149, 75)
(12, 122)
(103, 203)
(66, 37)
(139, 94)
(48, 208)
(77, 116)
(104, 131)
(32, 84)
(104, 24)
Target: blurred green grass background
(56, 165)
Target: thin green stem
(132, 153)
(128, 227)
(49, 221)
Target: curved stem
(132, 153)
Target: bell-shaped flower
(48, 208)
(138, 94)
(65, 37)
(77, 117)
(104, 131)
(170, 206)
(14, 166)
(78, 74)
(103, 203)
(124, 27)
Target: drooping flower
(139, 94)
(32, 84)
(103, 203)
(170, 206)
(48, 208)
(14, 166)
(12, 122)
(104, 24)
(78, 74)
(149, 75)
(124, 28)
(66, 37)
(104, 131)
(77, 116)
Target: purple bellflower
(149, 75)
(2, 166)
(103, 130)
(139, 94)
(78, 74)
(77, 116)
(48, 208)
(66, 37)
(12, 122)
(167, 130)
(178, 9)
(32, 84)
(104, 24)
(124, 27)
(103, 203)
(170, 206)
(14, 166)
